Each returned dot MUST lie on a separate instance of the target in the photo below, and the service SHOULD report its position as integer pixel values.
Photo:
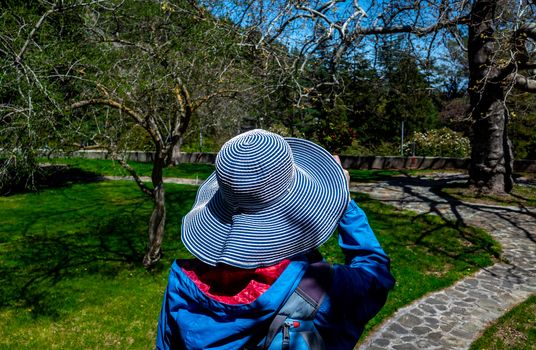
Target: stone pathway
(454, 317)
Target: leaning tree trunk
(176, 153)
(158, 217)
(491, 156)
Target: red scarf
(232, 285)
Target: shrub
(335, 137)
(382, 149)
(387, 149)
(17, 171)
(438, 143)
(281, 129)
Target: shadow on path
(426, 189)
(453, 318)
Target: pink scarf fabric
(232, 285)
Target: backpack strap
(303, 303)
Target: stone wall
(140, 156)
(378, 162)
(353, 162)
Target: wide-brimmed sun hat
(270, 198)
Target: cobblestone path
(454, 317)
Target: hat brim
(301, 220)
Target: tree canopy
(170, 75)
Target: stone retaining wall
(378, 162)
(353, 162)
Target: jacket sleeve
(167, 336)
(359, 287)
(164, 333)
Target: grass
(113, 168)
(201, 171)
(361, 175)
(516, 330)
(520, 195)
(365, 175)
(70, 272)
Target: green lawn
(201, 171)
(516, 330)
(113, 168)
(365, 175)
(70, 272)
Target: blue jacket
(192, 320)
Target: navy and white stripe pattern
(248, 178)
(270, 199)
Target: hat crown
(254, 169)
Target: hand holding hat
(346, 173)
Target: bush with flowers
(442, 142)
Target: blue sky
(266, 16)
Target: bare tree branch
(419, 31)
(39, 23)
(529, 29)
(128, 43)
(138, 118)
(185, 106)
(525, 84)
(220, 93)
(18, 57)
(148, 191)
(455, 32)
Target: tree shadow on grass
(50, 176)
(42, 265)
(515, 214)
(430, 238)
(34, 264)
(374, 175)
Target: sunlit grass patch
(70, 266)
(516, 330)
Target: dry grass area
(516, 330)
(521, 195)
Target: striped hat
(270, 198)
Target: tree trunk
(176, 152)
(157, 221)
(491, 156)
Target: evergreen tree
(398, 91)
